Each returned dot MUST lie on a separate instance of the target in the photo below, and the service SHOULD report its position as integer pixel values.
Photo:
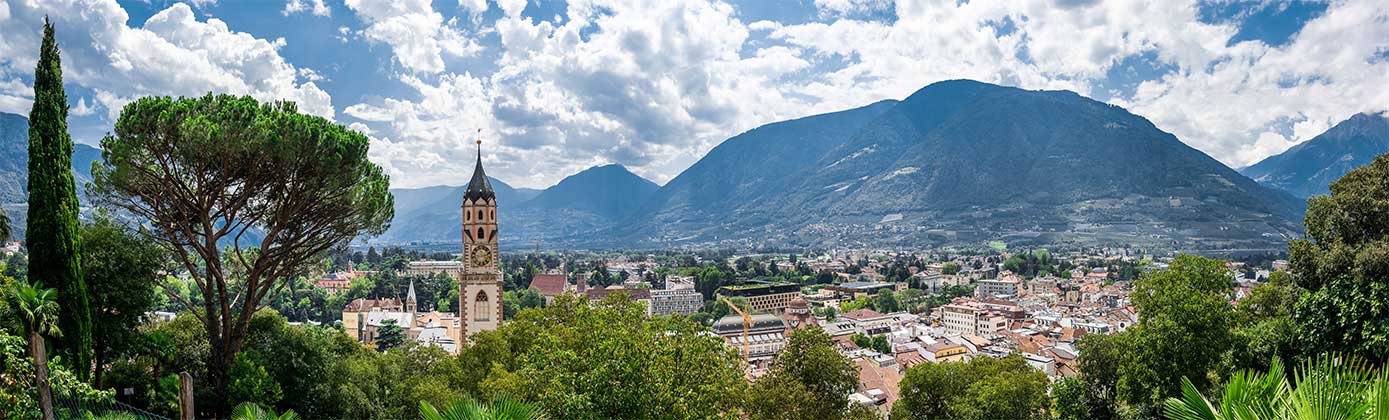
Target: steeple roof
(479, 186)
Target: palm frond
(1191, 406)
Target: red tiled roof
(549, 284)
(861, 314)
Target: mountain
(1308, 168)
(583, 202)
(14, 167)
(610, 191)
(964, 161)
(433, 214)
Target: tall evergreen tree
(55, 247)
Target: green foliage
(887, 302)
(5, 231)
(950, 268)
(36, 307)
(52, 235)
(1068, 399)
(606, 360)
(467, 409)
(1184, 329)
(389, 336)
(1330, 386)
(1344, 263)
(252, 411)
(1099, 363)
(808, 380)
(513, 301)
(878, 343)
(983, 388)
(217, 170)
(18, 395)
(121, 271)
(251, 383)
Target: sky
(557, 87)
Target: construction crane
(747, 324)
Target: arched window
(482, 308)
(480, 235)
(479, 214)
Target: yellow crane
(747, 323)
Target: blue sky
(559, 86)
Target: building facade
(967, 319)
(764, 297)
(480, 283)
(678, 301)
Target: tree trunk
(99, 360)
(40, 353)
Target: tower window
(481, 235)
(482, 308)
(479, 214)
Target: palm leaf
(1191, 406)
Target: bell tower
(480, 285)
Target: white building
(971, 319)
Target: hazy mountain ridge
(1309, 167)
(584, 202)
(14, 167)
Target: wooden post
(185, 396)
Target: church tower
(480, 288)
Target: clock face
(481, 256)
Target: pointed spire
(479, 186)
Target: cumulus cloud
(649, 84)
(417, 33)
(173, 53)
(316, 7)
(1225, 99)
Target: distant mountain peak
(1309, 167)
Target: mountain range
(1308, 168)
(14, 168)
(956, 163)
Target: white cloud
(317, 7)
(415, 32)
(172, 54)
(1223, 99)
(82, 109)
(849, 7)
(650, 84)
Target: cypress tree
(52, 234)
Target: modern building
(764, 297)
(429, 268)
(971, 319)
(677, 301)
(855, 289)
(996, 288)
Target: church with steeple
(480, 284)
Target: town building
(429, 268)
(766, 335)
(764, 297)
(970, 319)
(676, 301)
(996, 288)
